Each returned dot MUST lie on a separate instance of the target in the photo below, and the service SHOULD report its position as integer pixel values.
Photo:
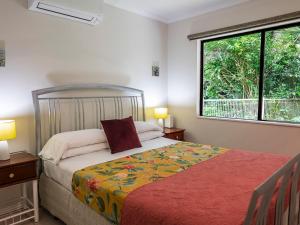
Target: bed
(274, 196)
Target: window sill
(271, 123)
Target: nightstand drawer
(17, 174)
(176, 136)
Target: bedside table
(21, 168)
(174, 133)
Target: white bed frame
(50, 120)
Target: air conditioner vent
(70, 10)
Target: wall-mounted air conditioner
(85, 11)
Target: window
(252, 76)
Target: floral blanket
(104, 187)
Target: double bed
(231, 187)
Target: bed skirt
(61, 203)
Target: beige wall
(182, 83)
(43, 51)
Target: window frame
(262, 32)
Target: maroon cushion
(121, 134)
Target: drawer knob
(11, 175)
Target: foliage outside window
(252, 76)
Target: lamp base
(161, 123)
(4, 153)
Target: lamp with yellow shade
(161, 113)
(7, 132)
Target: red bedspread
(214, 192)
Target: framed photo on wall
(2, 54)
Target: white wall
(43, 51)
(182, 83)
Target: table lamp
(7, 132)
(161, 113)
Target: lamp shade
(7, 130)
(160, 113)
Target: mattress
(63, 172)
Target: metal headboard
(82, 106)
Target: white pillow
(146, 126)
(60, 143)
(149, 135)
(145, 136)
(84, 150)
(66, 144)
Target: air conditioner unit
(85, 11)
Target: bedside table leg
(35, 200)
(24, 191)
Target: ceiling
(169, 11)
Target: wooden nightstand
(21, 168)
(174, 133)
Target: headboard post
(37, 121)
(143, 106)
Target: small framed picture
(2, 54)
(155, 70)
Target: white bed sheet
(63, 172)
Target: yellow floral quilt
(104, 187)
